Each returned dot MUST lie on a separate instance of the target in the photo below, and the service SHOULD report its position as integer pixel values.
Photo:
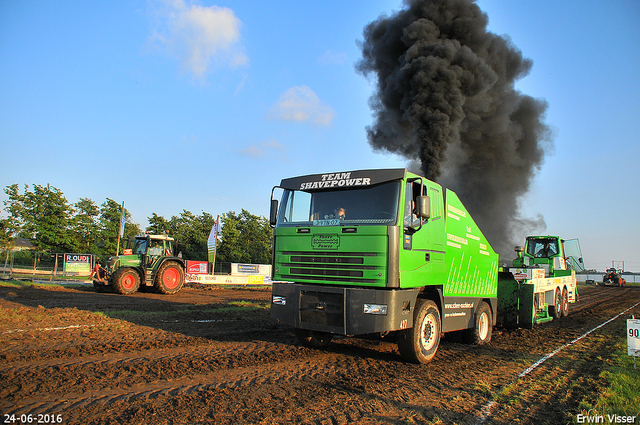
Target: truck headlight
(279, 300)
(375, 309)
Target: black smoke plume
(446, 100)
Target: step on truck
(387, 252)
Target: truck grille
(345, 267)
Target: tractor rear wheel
(125, 281)
(169, 279)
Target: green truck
(148, 262)
(388, 252)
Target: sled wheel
(125, 281)
(169, 278)
(556, 310)
(480, 333)
(565, 303)
(313, 339)
(420, 343)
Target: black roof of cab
(348, 179)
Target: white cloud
(263, 149)
(300, 103)
(240, 86)
(189, 140)
(199, 35)
(330, 57)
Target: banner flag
(212, 242)
(122, 221)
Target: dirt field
(213, 355)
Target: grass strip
(620, 397)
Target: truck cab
(379, 252)
(556, 256)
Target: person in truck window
(341, 213)
(411, 217)
(547, 250)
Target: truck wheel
(565, 303)
(420, 343)
(313, 339)
(125, 281)
(169, 278)
(556, 310)
(481, 331)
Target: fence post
(6, 260)
(35, 259)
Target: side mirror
(273, 213)
(424, 207)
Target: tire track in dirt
(262, 375)
(309, 366)
(601, 295)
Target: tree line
(43, 215)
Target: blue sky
(172, 106)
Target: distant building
(22, 244)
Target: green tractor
(555, 255)
(150, 262)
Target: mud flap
(515, 303)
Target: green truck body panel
(472, 264)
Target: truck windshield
(542, 248)
(139, 246)
(373, 205)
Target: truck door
(422, 252)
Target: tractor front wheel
(125, 281)
(169, 278)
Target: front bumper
(343, 310)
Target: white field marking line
(48, 329)
(486, 410)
